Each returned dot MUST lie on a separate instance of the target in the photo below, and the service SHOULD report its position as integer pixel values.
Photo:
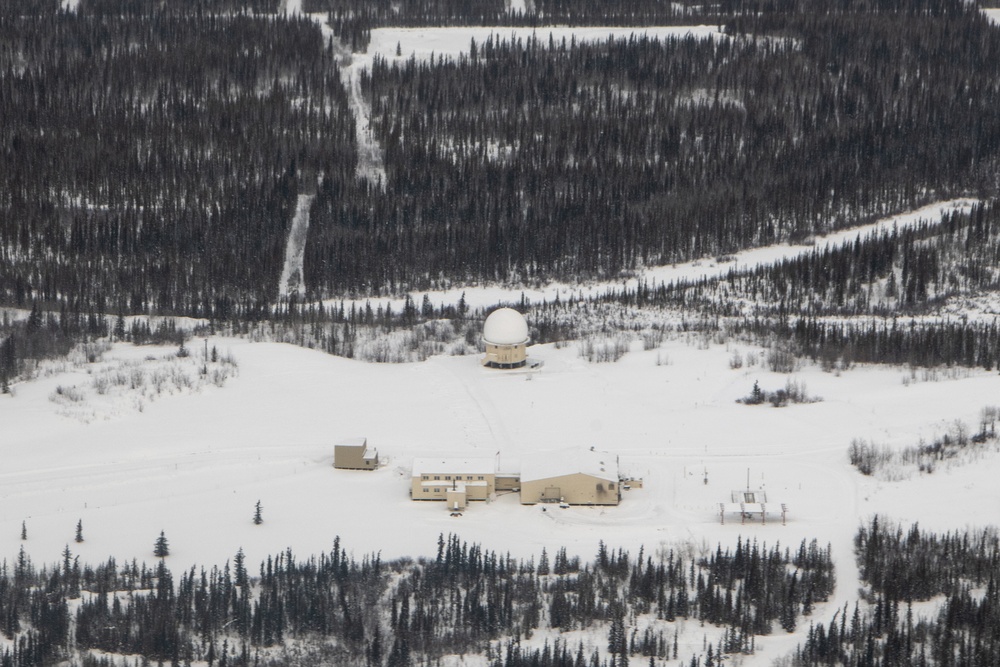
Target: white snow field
(450, 42)
(993, 15)
(195, 464)
(192, 458)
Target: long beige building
(573, 476)
(454, 479)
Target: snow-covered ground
(451, 42)
(194, 464)
(993, 15)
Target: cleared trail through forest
(292, 278)
(371, 165)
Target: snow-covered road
(292, 277)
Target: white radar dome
(505, 326)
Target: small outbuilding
(505, 334)
(572, 476)
(353, 454)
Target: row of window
(458, 478)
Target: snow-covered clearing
(293, 7)
(70, 5)
(194, 464)
(992, 15)
(292, 278)
(486, 296)
(451, 42)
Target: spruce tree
(24, 531)
(257, 518)
(161, 549)
(543, 563)
(79, 530)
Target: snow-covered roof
(458, 484)
(353, 442)
(471, 465)
(505, 326)
(560, 462)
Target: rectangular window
(437, 476)
(447, 476)
(480, 478)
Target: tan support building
(572, 476)
(455, 480)
(354, 454)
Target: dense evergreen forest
(864, 302)
(152, 160)
(372, 613)
(536, 160)
(153, 153)
(141, 149)
(905, 567)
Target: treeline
(538, 160)
(629, 12)
(139, 7)
(186, 7)
(353, 20)
(152, 161)
(48, 335)
(894, 272)
(369, 612)
(903, 567)
(29, 7)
